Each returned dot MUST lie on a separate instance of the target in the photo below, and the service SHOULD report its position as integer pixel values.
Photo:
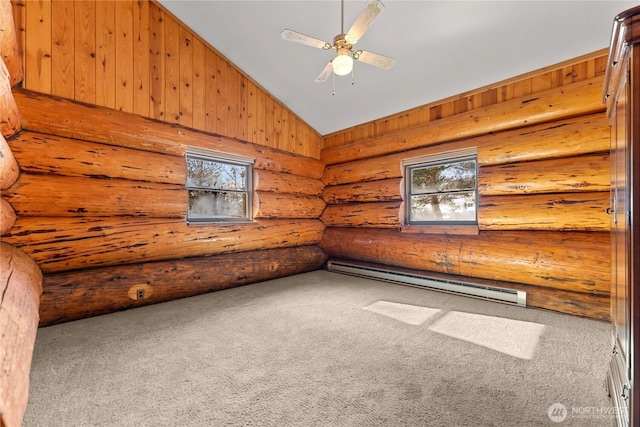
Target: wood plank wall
(136, 57)
(543, 154)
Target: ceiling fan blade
(297, 37)
(325, 73)
(369, 13)
(374, 59)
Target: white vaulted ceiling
(442, 48)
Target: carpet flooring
(323, 349)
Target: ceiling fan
(343, 43)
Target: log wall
(543, 183)
(20, 276)
(105, 189)
(93, 209)
(134, 56)
(93, 201)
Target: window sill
(464, 230)
(221, 222)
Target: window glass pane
(453, 176)
(216, 175)
(217, 204)
(443, 207)
(233, 177)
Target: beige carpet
(322, 349)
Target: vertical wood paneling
(298, 138)
(522, 88)
(268, 119)
(19, 18)
(199, 84)
(243, 121)
(38, 46)
(172, 70)
(132, 55)
(106, 54)
(291, 129)
(233, 104)
(284, 129)
(277, 125)
(540, 83)
(124, 56)
(62, 48)
(186, 78)
(222, 105)
(141, 58)
(85, 52)
(260, 113)
(211, 84)
(252, 111)
(156, 62)
(567, 75)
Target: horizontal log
(571, 261)
(585, 173)
(10, 53)
(376, 168)
(548, 141)
(50, 154)
(61, 244)
(564, 138)
(84, 293)
(384, 190)
(554, 104)
(52, 195)
(371, 214)
(285, 205)
(10, 119)
(9, 170)
(569, 211)
(286, 183)
(7, 216)
(57, 116)
(20, 287)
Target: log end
(9, 170)
(21, 286)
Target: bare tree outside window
(218, 190)
(443, 192)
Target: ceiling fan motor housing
(340, 42)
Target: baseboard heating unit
(492, 293)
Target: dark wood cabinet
(622, 96)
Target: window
(442, 189)
(219, 186)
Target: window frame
(445, 226)
(225, 159)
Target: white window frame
(226, 159)
(434, 160)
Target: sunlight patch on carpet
(513, 337)
(411, 314)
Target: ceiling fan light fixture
(343, 63)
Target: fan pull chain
(333, 92)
